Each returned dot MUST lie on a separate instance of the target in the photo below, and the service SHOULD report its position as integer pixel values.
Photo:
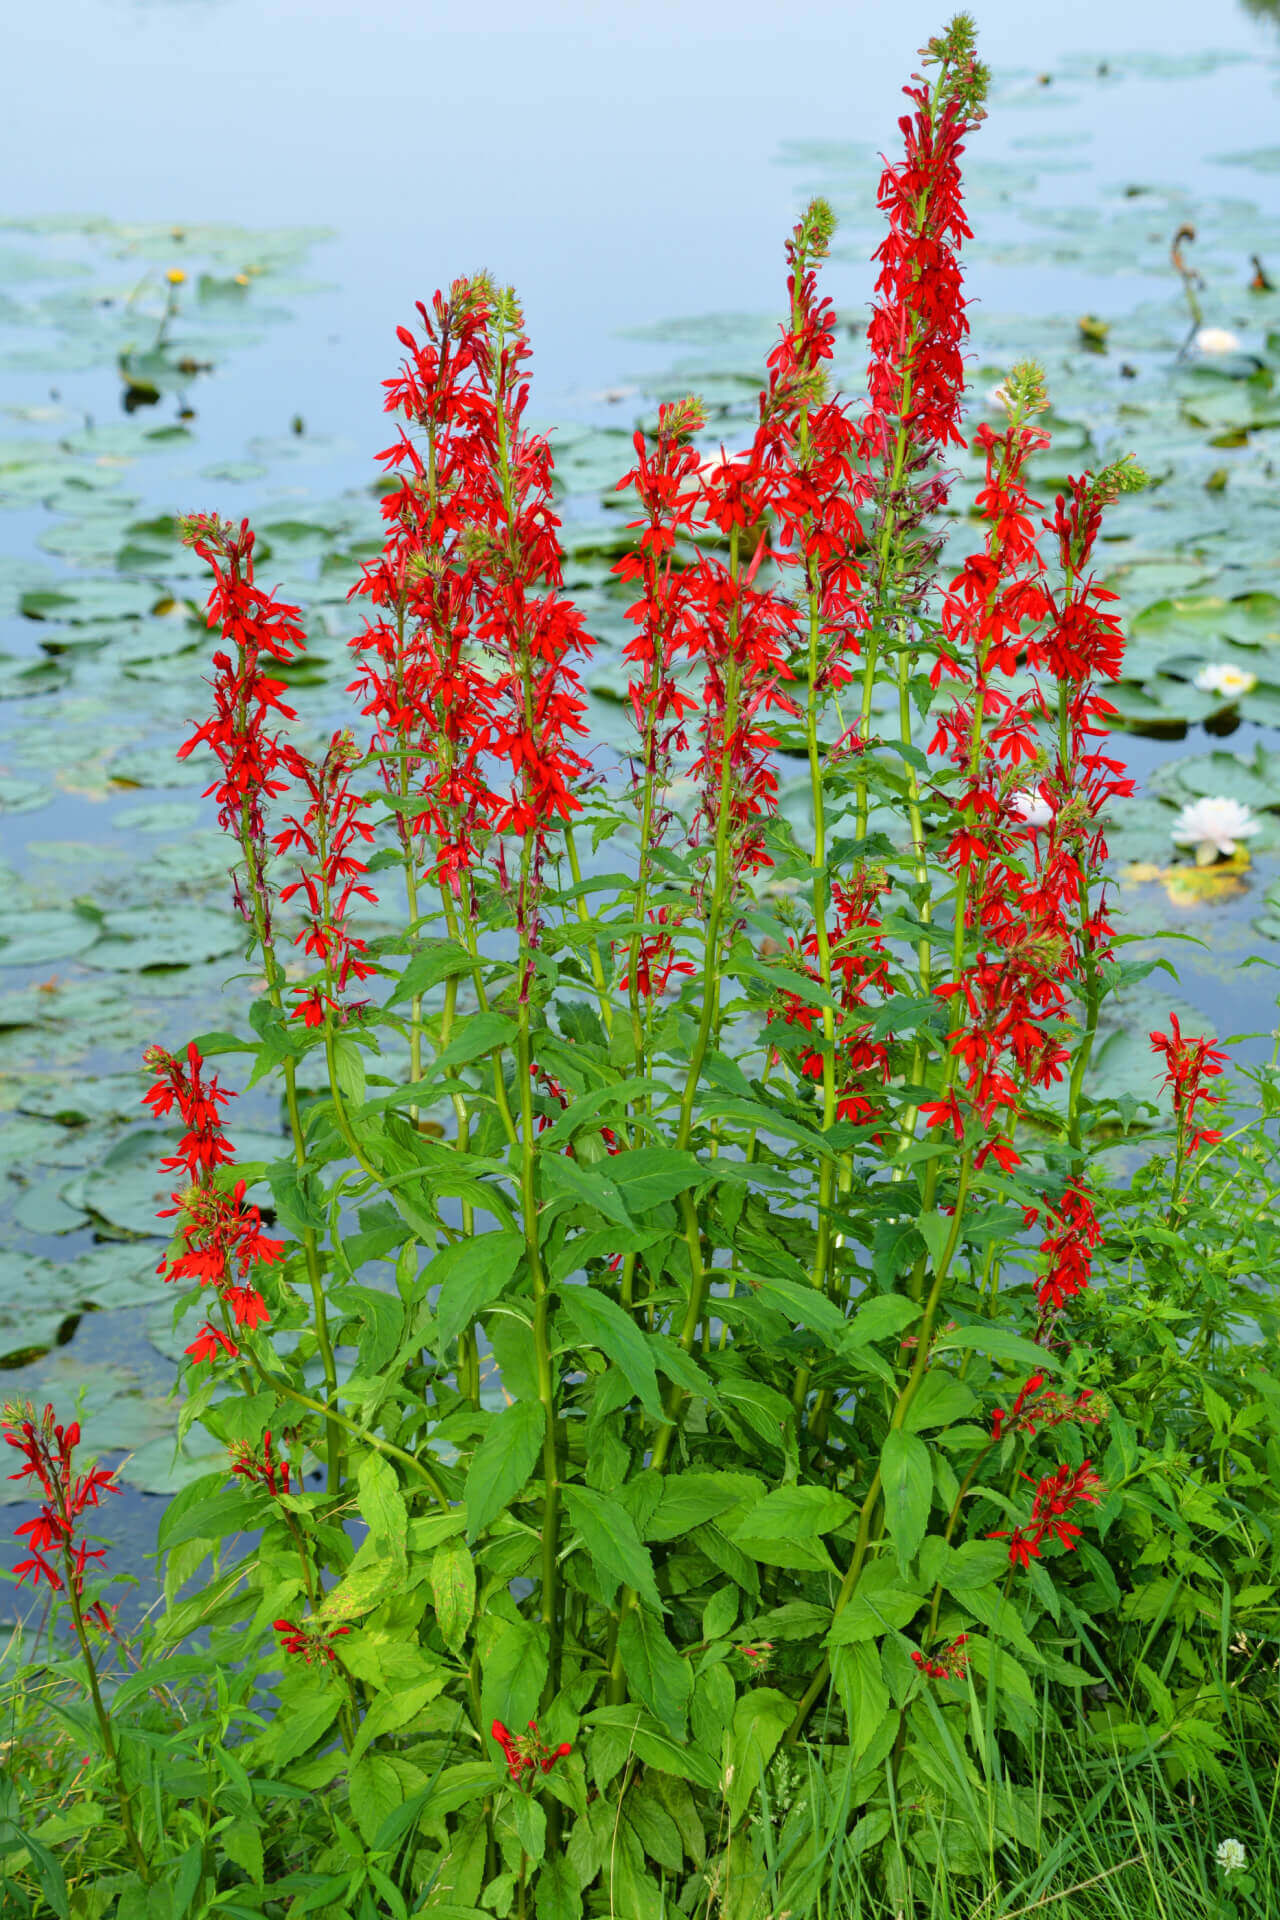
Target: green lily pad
(165, 1465)
(22, 796)
(128, 1188)
(35, 938)
(1255, 782)
(160, 816)
(43, 1208)
(139, 938)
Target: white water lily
(997, 396)
(1216, 340)
(1231, 1856)
(1231, 682)
(1213, 826)
(1031, 807)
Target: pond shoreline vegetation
(744, 1428)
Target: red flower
(951, 1664)
(253, 624)
(266, 1470)
(48, 1451)
(210, 1344)
(525, 1751)
(1056, 1497)
(311, 1641)
(1189, 1062)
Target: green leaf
(879, 1604)
(793, 1510)
(999, 1344)
(530, 1821)
(615, 1548)
(593, 1109)
(906, 1478)
(655, 1672)
(503, 1461)
(453, 1587)
(555, 1894)
(859, 1680)
(567, 1184)
(348, 1065)
(879, 1316)
(807, 1306)
(648, 1176)
(434, 961)
(641, 1734)
(213, 1516)
(382, 1504)
(471, 1275)
(602, 1323)
(293, 1731)
(687, 1500)
(478, 1034)
(242, 1844)
(939, 1401)
(760, 1719)
(785, 1528)
(376, 1790)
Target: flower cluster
(326, 834)
(915, 377)
(1189, 1060)
(264, 1469)
(859, 965)
(817, 491)
(1056, 1498)
(255, 626)
(1040, 1406)
(314, 1643)
(48, 1451)
(419, 677)
(222, 1237)
(950, 1664)
(526, 1752)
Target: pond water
(312, 171)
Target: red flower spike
(253, 760)
(1057, 1496)
(1189, 1062)
(48, 1453)
(221, 1236)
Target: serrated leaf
(602, 1323)
(382, 1505)
(616, 1550)
(760, 1719)
(434, 961)
(655, 1672)
(503, 1461)
(453, 1588)
(906, 1480)
(471, 1274)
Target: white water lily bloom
(1213, 826)
(1031, 807)
(1216, 340)
(1231, 1856)
(1231, 682)
(997, 396)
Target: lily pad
(139, 938)
(1255, 782)
(35, 938)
